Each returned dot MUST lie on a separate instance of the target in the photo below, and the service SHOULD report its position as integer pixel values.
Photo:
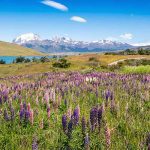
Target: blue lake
(9, 59)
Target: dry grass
(103, 58)
(79, 63)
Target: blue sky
(122, 20)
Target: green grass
(9, 49)
(138, 69)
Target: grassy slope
(79, 63)
(138, 69)
(8, 49)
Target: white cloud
(127, 36)
(78, 19)
(55, 5)
(141, 44)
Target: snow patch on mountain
(24, 38)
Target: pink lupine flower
(107, 136)
(41, 124)
(46, 97)
(21, 106)
(53, 95)
(37, 100)
(31, 116)
(59, 100)
(28, 107)
(69, 112)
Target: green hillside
(9, 49)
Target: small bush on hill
(62, 63)
(44, 59)
(93, 59)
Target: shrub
(93, 59)
(44, 59)
(27, 60)
(20, 59)
(62, 63)
(2, 61)
(34, 59)
(55, 57)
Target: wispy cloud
(127, 36)
(55, 5)
(78, 19)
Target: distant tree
(2, 61)
(144, 51)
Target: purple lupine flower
(100, 113)
(48, 111)
(64, 123)
(24, 105)
(93, 117)
(70, 128)
(27, 115)
(21, 114)
(83, 123)
(6, 117)
(108, 95)
(96, 93)
(87, 142)
(76, 115)
(65, 102)
(34, 144)
(12, 111)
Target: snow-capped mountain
(24, 38)
(65, 44)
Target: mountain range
(65, 44)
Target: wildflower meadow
(75, 111)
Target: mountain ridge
(65, 44)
